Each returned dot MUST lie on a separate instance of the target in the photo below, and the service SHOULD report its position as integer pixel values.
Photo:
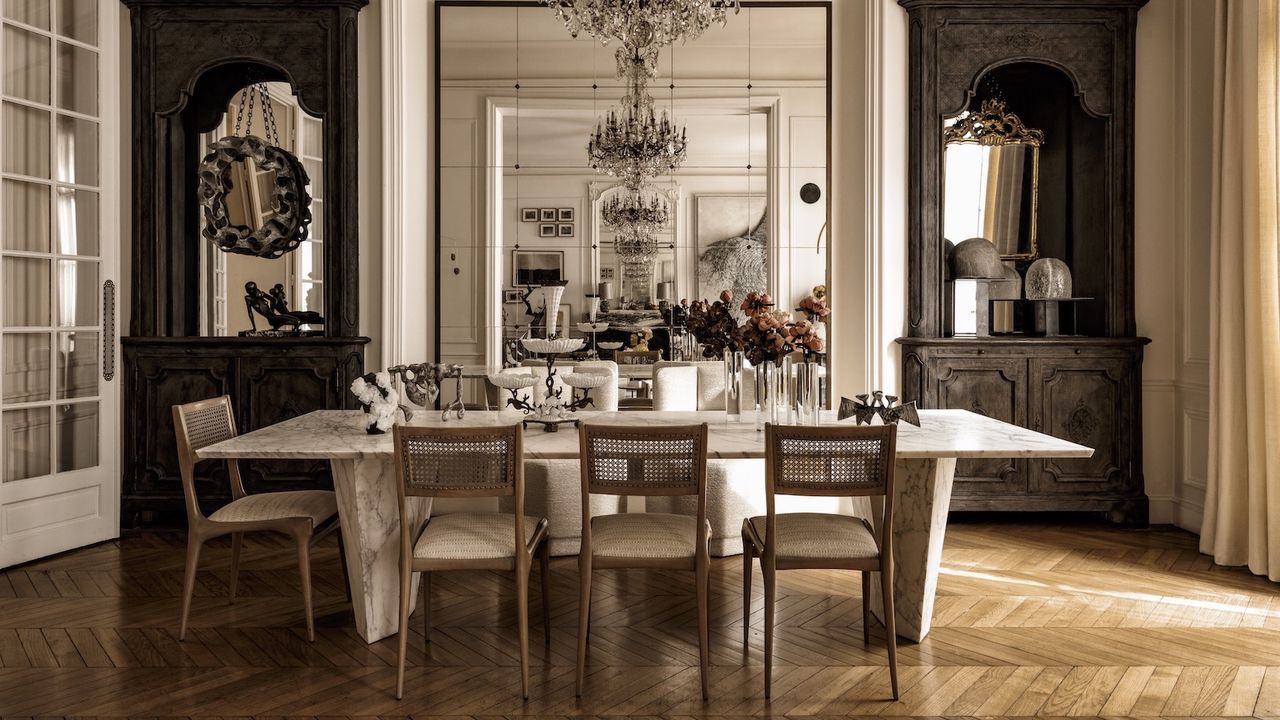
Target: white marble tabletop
(339, 434)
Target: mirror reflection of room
(296, 276)
(741, 111)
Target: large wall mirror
(519, 100)
(298, 275)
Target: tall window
(50, 324)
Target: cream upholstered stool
(735, 488)
(833, 461)
(552, 486)
(467, 462)
(305, 515)
(650, 461)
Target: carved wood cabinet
(1066, 68)
(1083, 390)
(189, 58)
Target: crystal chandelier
(636, 144)
(630, 211)
(641, 25)
(634, 246)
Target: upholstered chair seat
(818, 535)
(319, 505)
(475, 536)
(646, 535)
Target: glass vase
(733, 364)
(772, 396)
(808, 392)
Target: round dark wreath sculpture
(291, 203)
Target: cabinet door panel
(274, 389)
(1084, 400)
(989, 386)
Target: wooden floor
(1032, 619)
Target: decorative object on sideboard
(876, 403)
(226, 168)
(273, 306)
(553, 410)
(976, 258)
(380, 400)
(1048, 279)
(423, 382)
(604, 290)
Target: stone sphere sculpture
(976, 258)
(1048, 279)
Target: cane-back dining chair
(305, 515)
(832, 461)
(467, 462)
(648, 461)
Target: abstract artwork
(732, 239)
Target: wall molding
(392, 179)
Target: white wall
(1172, 179)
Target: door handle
(108, 330)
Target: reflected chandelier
(641, 25)
(631, 212)
(636, 144)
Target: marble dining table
(364, 480)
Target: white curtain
(1242, 504)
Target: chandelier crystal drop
(642, 23)
(631, 211)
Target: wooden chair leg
(194, 544)
(304, 571)
(891, 636)
(703, 575)
(866, 608)
(544, 559)
(342, 555)
(236, 540)
(406, 587)
(769, 597)
(425, 584)
(584, 619)
(748, 554)
(522, 616)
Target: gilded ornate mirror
(991, 175)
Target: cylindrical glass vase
(772, 393)
(733, 364)
(808, 392)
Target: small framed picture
(547, 215)
(529, 215)
(510, 296)
(565, 215)
(547, 230)
(536, 267)
(606, 273)
(564, 316)
(564, 230)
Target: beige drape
(1242, 504)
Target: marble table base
(370, 515)
(922, 497)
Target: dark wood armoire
(189, 59)
(1067, 67)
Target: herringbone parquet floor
(1044, 619)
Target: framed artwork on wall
(731, 237)
(510, 296)
(547, 215)
(565, 215)
(529, 215)
(564, 230)
(547, 230)
(536, 267)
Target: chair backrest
(631, 460)
(459, 461)
(637, 357)
(198, 425)
(675, 386)
(604, 397)
(831, 461)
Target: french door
(59, 257)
